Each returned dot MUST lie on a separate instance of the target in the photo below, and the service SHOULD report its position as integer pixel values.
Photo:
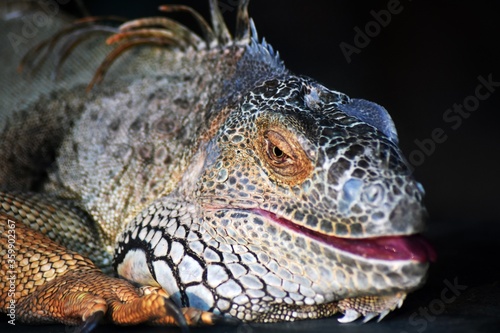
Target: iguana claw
(91, 323)
(350, 315)
(369, 316)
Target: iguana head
(297, 204)
(297, 151)
(312, 188)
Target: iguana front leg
(51, 284)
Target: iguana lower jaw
(367, 276)
(264, 279)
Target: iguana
(216, 184)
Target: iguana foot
(85, 297)
(369, 307)
(55, 285)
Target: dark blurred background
(426, 59)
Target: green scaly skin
(212, 173)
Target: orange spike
(143, 22)
(205, 27)
(156, 33)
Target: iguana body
(214, 176)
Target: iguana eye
(278, 150)
(275, 153)
(283, 155)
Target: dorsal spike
(73, 40)
(242, 34)
(218, 24)
(38, 54)
(115, 54)
(175, 27)
(264, 42)
(262, 50)
(207, 31)
(253, 31)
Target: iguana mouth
(405, 247)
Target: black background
(427, 59)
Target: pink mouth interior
(412, 247)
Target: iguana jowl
(220, 182)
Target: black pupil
(277, 152)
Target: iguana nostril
(374, 194)
(355, 191)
